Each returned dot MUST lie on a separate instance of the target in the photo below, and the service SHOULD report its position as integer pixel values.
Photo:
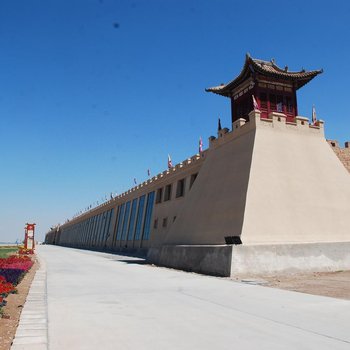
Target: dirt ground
(12, 311)
(330, 284)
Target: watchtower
(273, 88)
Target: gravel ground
(330, 284)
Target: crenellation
(238, 123)
(223, 132)
(211, 140)
(342, 153)
(301, 121)
(140, 187)
(278, 117)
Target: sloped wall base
(289, 258)
(226, 260)
(209, 260)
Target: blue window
(139, 217)
(126, 220)
(108, 224)
(132, 219)
(105, 216)
(101, 228)
(92, 229)
(97, 229)
(120, 221)
(88, 232)
(148, 215)
(84, 231)
(104, 227)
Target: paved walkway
(31, 333)
(104, 301)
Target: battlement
(145, 186)
(180, 167)
(275, 120)
(342, 153)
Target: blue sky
(95, 92)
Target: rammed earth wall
(342, 153)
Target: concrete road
(103, 301)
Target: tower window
(180, 189)
(193, 179)
(159, 195)
(155, 224)
(167, 194)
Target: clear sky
(95, 92)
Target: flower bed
(12, 275)
(16, 262)
(12, 270)
(6, 287)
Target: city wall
(271, 182)
(342, 153)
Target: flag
(135, 182)
(255, 104)
(170, 164)
(313, 118)
(200, 145)
(219, 124)
(148, 172)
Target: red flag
(255, 104)
(170, 164)
(313, 118)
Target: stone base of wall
(289, 258)
(209, 260)
(227, 260)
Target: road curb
(32, 332)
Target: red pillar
(29, 241)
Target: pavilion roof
(268, 69)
